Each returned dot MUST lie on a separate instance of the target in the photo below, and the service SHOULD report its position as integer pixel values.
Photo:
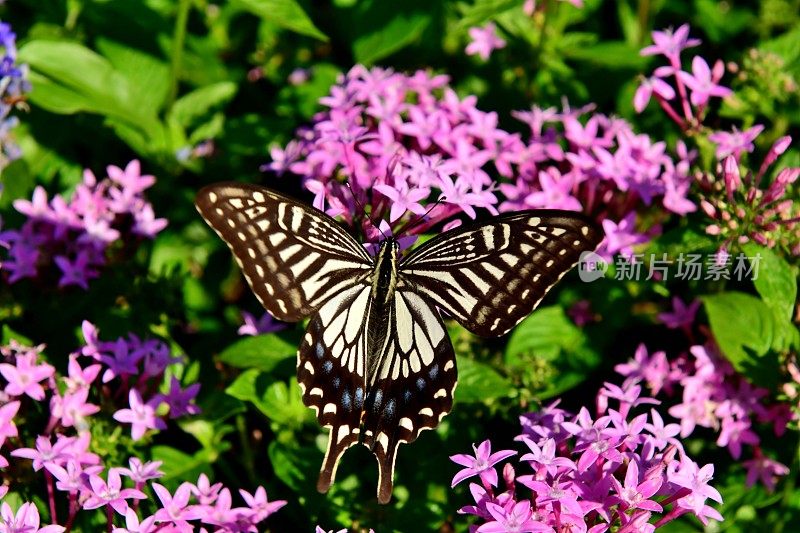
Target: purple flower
(681, 316)
(46, 452)
(176, 508)
(649, 86)
(484, 41)
(141, 415)
(545, 457)
(621, 237)
(259, 504)
(7, 426)
(140, 472)
(403, 198)
(764, 469)
(703, 83)
(181, 401)
(736, 142)
(688, 475)
(517, 519)
(24, 377)
(26, 519)
(111, 492)
(481, 464)
(670, 43)
(266, 324)
(635, 495)
(133, 525)
(735, 433)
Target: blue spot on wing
(320, 350)
(327, 366)
(347, 402)
(359, 398)
(420, 383)
(434, 371)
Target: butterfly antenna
(364, 211)
(408, 226)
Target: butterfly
(376, 363)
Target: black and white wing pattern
(376, 363)
(294, 258)
(490, 276)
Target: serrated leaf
(262, 352)
(286, 14)
(774, 279)
(478, 382)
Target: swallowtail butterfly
(376, 363)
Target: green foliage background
(115, 80)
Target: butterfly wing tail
(339, 440)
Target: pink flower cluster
(62, 449)
(619, 472)
(70, 239)
(694, 90)
(714, 396)
(400, 141)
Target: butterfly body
(376, 363)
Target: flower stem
(110, 517)
(51, 496)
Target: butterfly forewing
(490, 276)
(294, 258)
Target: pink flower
(176, 508)
(111, 493)
(764, 469)
(26, 520)
(635, 495)
(703, 83)
(649, 86)
(133, 525)
(46, 452)
(482, 464)
(24, 377)
(735, 143)
(258, 503)
(484, 41)
(516, 519)
(670, 43)
(141, 415)
(7, 426)
(681, 316)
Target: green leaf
(9, 335)
(773, 278)
(74, 78)
(262, 352)
(391, 29)
(279, 402)
(202, 102)
(484, 10)
(294, 465)
(147, 76)
(284, 13)
(547, 332)
(478, 382)
(612, 54)
(179, 466)
(743, 327)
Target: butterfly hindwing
(490, 276)
(411, 385)
(294, 257)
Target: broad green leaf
(548, 332)
(88, 82)
(743, 327)
(478, 382)
(388, 35)
(262, 352)
(148, 76)
(200, 103)
(279, 402)
(9, 335)
(284, 13)
(773, 278)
